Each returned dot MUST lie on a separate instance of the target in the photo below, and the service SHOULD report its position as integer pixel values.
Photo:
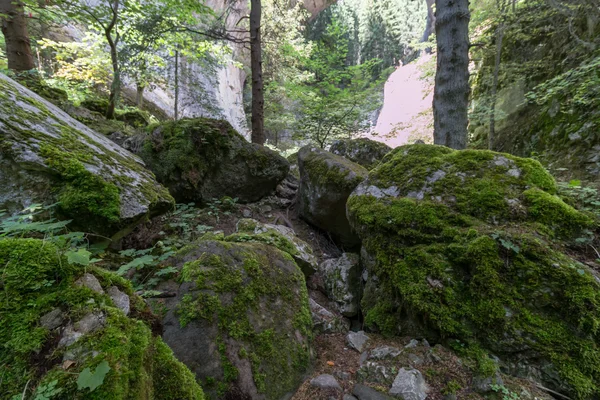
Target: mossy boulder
(48, 157)
(95, 104)
(326, 181)
(471, 246)
(134, 117)
(53, 329)
(342, 281)
(240, 319)
(363, 151)
(280, 236)
(201, 159)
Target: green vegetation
(184, 152)
(547, 103)
(478, 254)
(130, 362)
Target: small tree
(339, 99)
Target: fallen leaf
(330, 363)
(68, 364)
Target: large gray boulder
(363, 151)
(201, 159)
(326, 182)
(240, 318)
(47, 157)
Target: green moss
(325, 168)
(187, 149)
(37, 279)
(553, 212)
(464, 263)
(65, 147)
(172, 380)
(271, 237)
(84, 195)
(229, 293)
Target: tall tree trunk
(115, 86)
(451, 93)
(14, 29)
(176, 108)
(258, 100)
(499, 40)
(430, 24)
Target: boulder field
(421, 272)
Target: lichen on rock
(471, 246)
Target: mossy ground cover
(36, 279)
(479, 256)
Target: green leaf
(166, 271)
(91, 380)
(81, 257)
(136, 263)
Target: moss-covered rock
(326, 181)
(241, 319)
(470, 246)
(282, 237)
(363, 151)
(134, 117)
(201, 159)
(95, 104)
(47, 157)
(52, 329)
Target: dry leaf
(68, 364)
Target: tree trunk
(499, 40)
(451, 93)
(115, 86)
(430, 24)
(176, 105)
(258, 101)
(14, 29)
(139, 96)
